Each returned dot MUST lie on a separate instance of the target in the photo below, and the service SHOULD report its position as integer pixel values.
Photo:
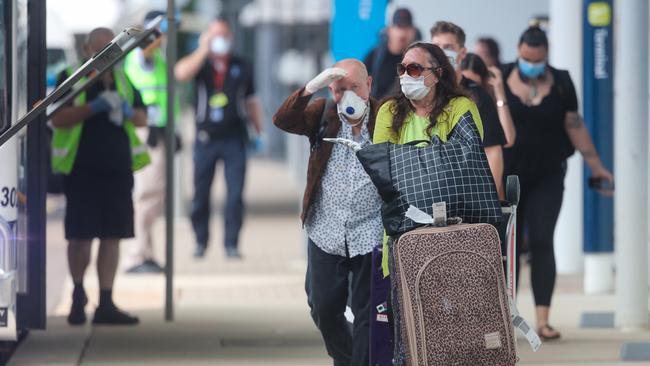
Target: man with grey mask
(341, 206)
(225, 103)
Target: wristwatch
(501, 103)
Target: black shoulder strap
(316, 139)
(563, 79)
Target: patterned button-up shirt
(345, 218)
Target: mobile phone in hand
(600, 184)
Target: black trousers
(206, 156)
(330, 280)
(539, 208)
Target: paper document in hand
(345, 142)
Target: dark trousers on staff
(206, 156)
(329, 280)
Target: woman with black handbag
(429, 103)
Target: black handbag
(455, 172)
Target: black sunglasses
(413, 70)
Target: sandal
(543, 332)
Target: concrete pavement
(254, 312)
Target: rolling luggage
(454, 302)
(453, 298)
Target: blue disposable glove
(127, 110)
(256, 144)
(99, 105)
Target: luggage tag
(440, 214)
(217, 103)
(524, 327)
(439, 218)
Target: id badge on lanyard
(218, 102)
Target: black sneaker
(199, 251)
(77, 314)
(148, 266)
(111, 315)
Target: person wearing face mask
(451, 38)
(341, 206)
(147, 69)
(430, 102)
(225, 103)
(544, 108)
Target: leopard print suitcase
(453, 299)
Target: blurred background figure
(381, 61)
(95, 147)
(451, 39)
(147, 69)
(544, 108)
(489, 78)
(225, 104)
(488, 49)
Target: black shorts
(98, 206)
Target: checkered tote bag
(455, 172)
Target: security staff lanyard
(218, 100)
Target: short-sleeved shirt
(542, 145)
(492, 129)
(221, 93)
(104, 147)
(382, 71)
(415, 127)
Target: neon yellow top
(414, 129)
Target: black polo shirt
(493, 134)
(220, 98)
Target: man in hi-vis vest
(146, 68)
(95, 147)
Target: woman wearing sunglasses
(429, 102)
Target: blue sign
(355, 27)
(599, 116)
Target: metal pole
(169, 160)
(631, 163)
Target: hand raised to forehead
(325, 78)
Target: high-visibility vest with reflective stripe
(152, 84)
(65, 141)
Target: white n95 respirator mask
(352, 106)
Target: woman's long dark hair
(445, 90)
(474, 62)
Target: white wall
(503, 20)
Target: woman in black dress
(544, 107)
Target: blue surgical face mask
(531, 70)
